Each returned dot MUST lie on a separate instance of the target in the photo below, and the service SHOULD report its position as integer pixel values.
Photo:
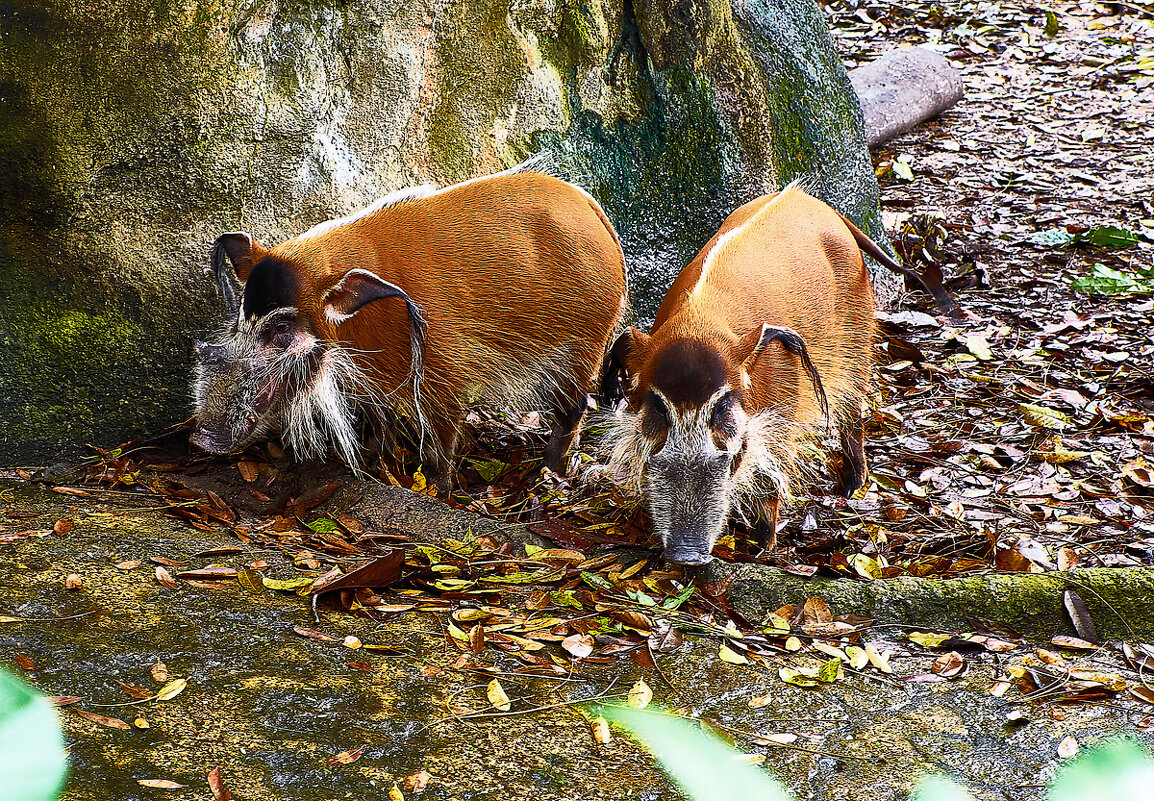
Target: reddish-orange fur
(722, 379)
(511, 272)
(797, 265)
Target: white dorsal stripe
(537, 163)
(729, 236)
(391, 199)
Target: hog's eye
(654, 417)
(660, 410)
(279, 334)
(722, 413)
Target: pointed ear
(241, 250)
(751, 346)
(622, 365)
(360, 287)
(233, 254)
(356, 289)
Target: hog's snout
(212, 441)
(688, 498)
(688, 553)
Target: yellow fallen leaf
(395, 793)
(600, 730)
(1060, 455)
(830, 650)
(497, 696)
(775, 624)
(877, 659)
(639, 695)
(858, 658)
(171, 690)
(727, 654)
(161, 784)
(830, 671)
(927, 640)
(1042, 417)
(797, 677)
(979, 347)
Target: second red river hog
(762, 343)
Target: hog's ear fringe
(418, 329)
(622, 447)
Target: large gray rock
(903, 88)
(132, 134)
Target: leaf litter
(1021, 440)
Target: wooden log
(903, 88)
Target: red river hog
(502, 289)
(763, 342)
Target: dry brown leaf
(599, 728)
(417, 782)
(210, 573)
(249, 471)
(136, 691)
(64, 700)
(578, 645)
(159, 672)
(313, 634)
(103, 720)
(216, 784)
(816, 611)
(345, 757)
(74, 581)
(949, 665)
(161, 784)
(165, 578)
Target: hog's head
(690, 438)
(277, 365)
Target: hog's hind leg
(851, 430)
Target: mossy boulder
(132, 134)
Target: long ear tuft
(792, 342)
(223, 259)
(618, 371)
